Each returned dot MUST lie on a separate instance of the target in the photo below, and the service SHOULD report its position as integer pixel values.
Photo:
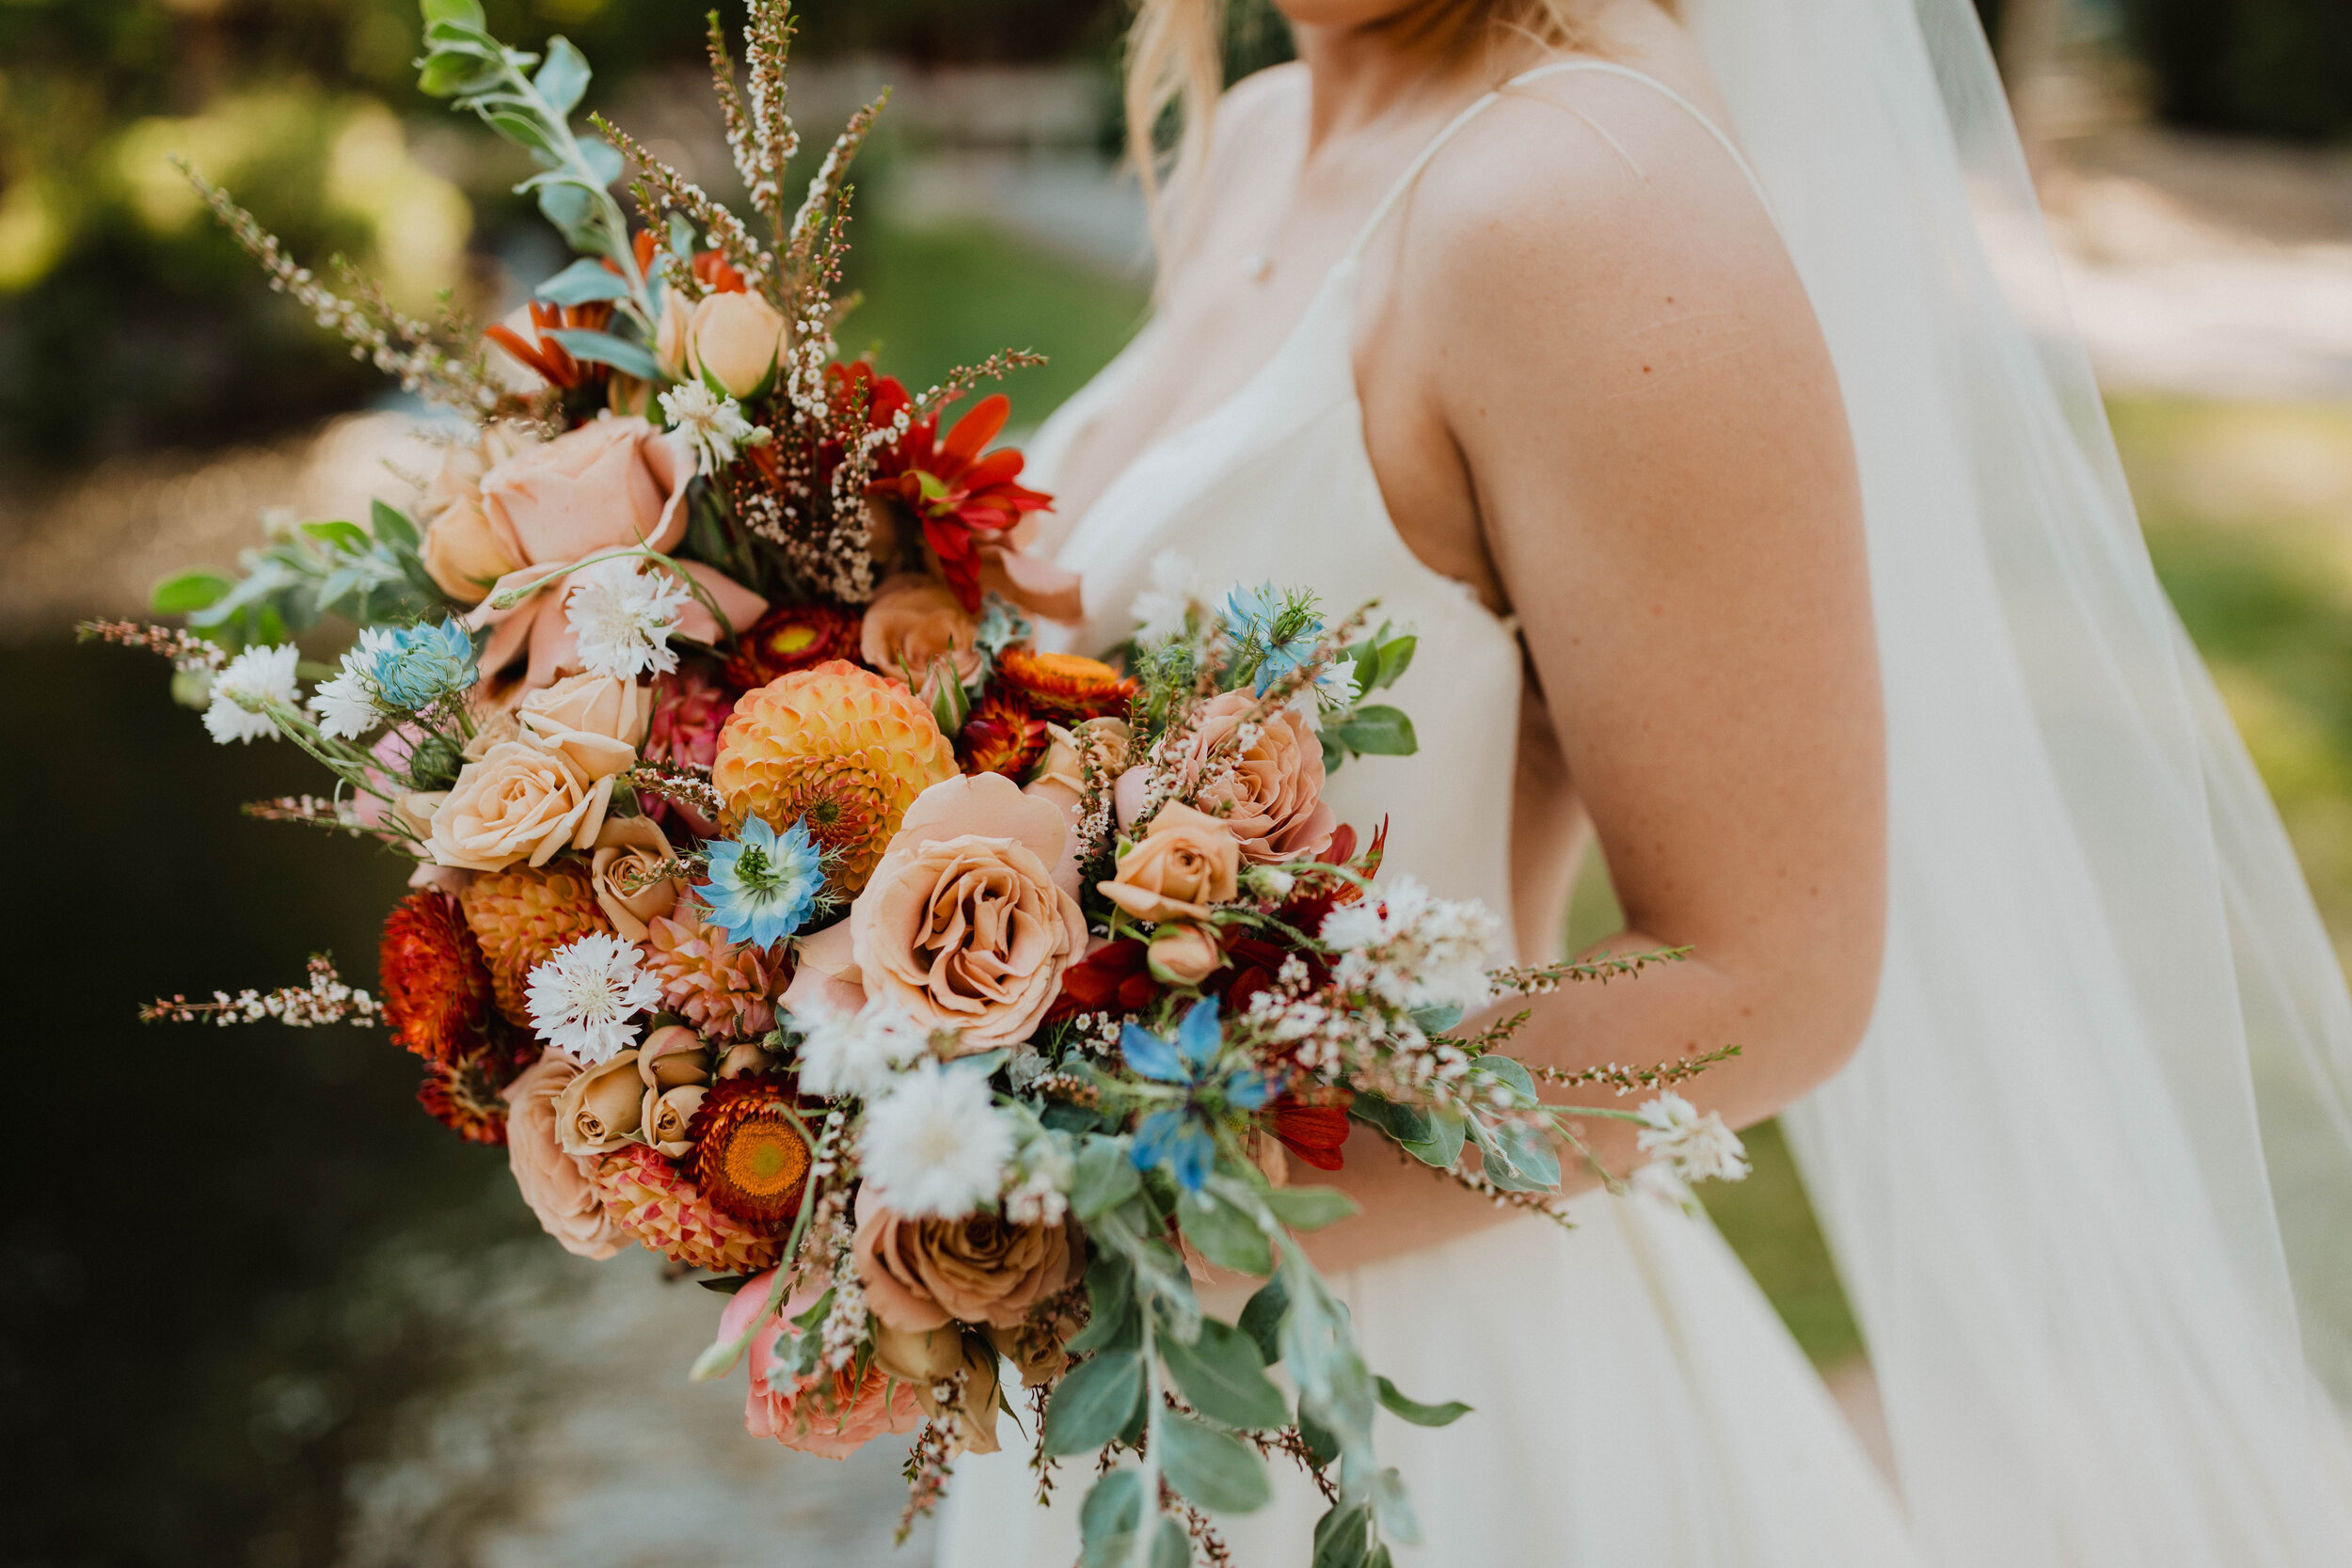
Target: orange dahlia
(1065, 686)
(749, 1160)
(522, 917)
(795, 637)
(1001, 735)
(724, 989)
(648, 1197)
(837, 747)
(435, 987)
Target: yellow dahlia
(1065, 686)
(838, 748)
(749, 1160)
(520, 917)
(652, 1200)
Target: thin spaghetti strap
(1556, 68)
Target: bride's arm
(1650, 441)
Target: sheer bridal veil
(2089, 1181)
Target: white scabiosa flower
(242, 691)
(622, 617)
(1700, 1147)
(858, 1054)
(581, 997)
(1172, 594)
(711, 427)
(936, 1144)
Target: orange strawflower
(749, 1160)
(796, 636)
(1065, 686)
(435, 990)
(1001, 735)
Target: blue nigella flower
(1180, 1137)
(414, 667)
(1286, 633)
(764, 885)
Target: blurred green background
(244, 1261)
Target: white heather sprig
(1413, 949)
(622, 617)
(324, 999)
(858, 1054)
(242, 691)
(1699, 1147)
(581, 998)
(936, 1142)
(713, 428)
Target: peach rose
(599, 1110)
(1272, 791)
(927, 1358)
(1061, 775)
(1186, 861)
(914, 621)
(524, 799)
(971, 914)
(827, 1414)
(664, 1117)
(1182, 954)
(558, 1186)
(630, 847)
(672, 1054)
(733, 341)
(462, 553)
(602, 705)
(613, 483)
(921, 1274)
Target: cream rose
(1272, 793)
(672, 1054)
(971, 914)
(1186, 861)
(665, 1115)
(629, 846)
(599, 1110)
(524, 799)
(558, 1186)
(600, 706)
(1061, 775)
(733, 341)
(913, 622)
(920, 1273)
(463, 553)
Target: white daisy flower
(345, 705)
(858, 1054)
(622, 617)
(1173, 592)
(581, 998)
(712, 428)
(935, 1144)
(254, 678)
(1699, 1147)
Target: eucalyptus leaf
(567, 207)
(1405, 1123)
(1393, 1507)
(1322, 1446)
(465, 14)
(1223, 1376)
(1092, 1404)
(563, 77)
(189, 591)
(1212, 1469)
(1113, 1506)
(603, 160)
(582, 342)
(1341, 1536)
(1435, 1021)
(521, 129)
(1529, 1164)
(1225, 1235)
(1310, 1207)
(1508, 1071)
(1377, 731)
(1418, 1414)
(1396, 656)
(1172, 1544)
(1444, 1146)
(583, 281)
(1262, 1319)
(1107, 1551)
(1113, 1323)
(346, 536)
(1106, 1178)
(393, 526)
(454, 75)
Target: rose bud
(1183, 954)
(744, 1057)
(602, 1108)
(664, 1118)
(673, 1055)
(733, 341)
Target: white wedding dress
(1636, 1402)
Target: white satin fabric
(1638, 1404)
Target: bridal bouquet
(783, 909)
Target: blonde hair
(1176, 60)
